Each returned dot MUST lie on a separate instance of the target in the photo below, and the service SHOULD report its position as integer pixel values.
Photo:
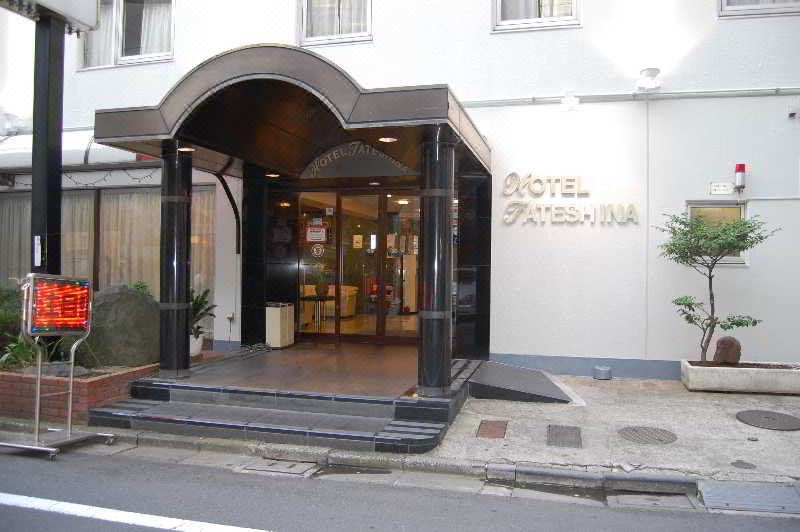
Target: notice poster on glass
(358, 241)
(316, 233)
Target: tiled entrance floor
(358, 369)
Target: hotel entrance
(358, 266)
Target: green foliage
(142, 287)
(10, 315)
(700, 245)
(17, 352)
(200, 309)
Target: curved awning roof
(280, 107)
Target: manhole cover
(767, 419)
(492, 429)
(564, 436)
(647, 435)
(741, 464)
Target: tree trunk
(709, 333)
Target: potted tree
(200, 309)
(702, 246)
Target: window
(334, 21)
(515, 15)
(131, 31)
(716, 213)
(739, 8)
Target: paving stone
(680, 502)
(211, 459)
(460, 483)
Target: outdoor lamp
(649, 79)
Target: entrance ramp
(494, 380)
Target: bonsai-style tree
(701, 245)
(200, 309)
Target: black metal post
(176, 208)
(435, 315)
(48, 93)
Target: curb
(522, 474)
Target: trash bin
(279, 324)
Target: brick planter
(17, 393)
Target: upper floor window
(332, 21)
(131, 31)
(512, 15)
(733, 8)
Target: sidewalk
(710, 440)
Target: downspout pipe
(220, 177)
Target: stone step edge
(110, 415)
(522, 473)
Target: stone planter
(196, 344)
(738, 379)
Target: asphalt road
(225, 497)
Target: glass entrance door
(378, 265)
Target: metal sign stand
(59, 437)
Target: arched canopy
(280, 108)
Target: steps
(405, 424)
(261, 420)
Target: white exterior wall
(560, 290)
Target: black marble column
(435, 314)
(48, 89)
(176, 208)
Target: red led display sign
(59, 306)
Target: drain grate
(767, 419)
(648, 435)
(741, 464)
(280, 466)
(564, 436)
(492, 429)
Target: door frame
(379, 337)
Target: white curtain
(321, 17)
(156, 26)
(77, 233)
(335, 17)
(517, 9)
(130, 237)
(352, 16)
(202, 248)
(15, 230)
(526, 9)
(99, 44)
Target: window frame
(341, 38)
(741, 260)
(117, 59)
(726, 11)
(532, 24)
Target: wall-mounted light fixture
(648, 79)
(402, 202)
(272, 175)
(387, 140)
(285, 204)
(374, 183)
(186, 149)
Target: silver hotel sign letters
(524, 205)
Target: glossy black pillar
(254, 235)
(176, 208)
(48, 89)
(435, 314)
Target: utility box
(279, 324)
